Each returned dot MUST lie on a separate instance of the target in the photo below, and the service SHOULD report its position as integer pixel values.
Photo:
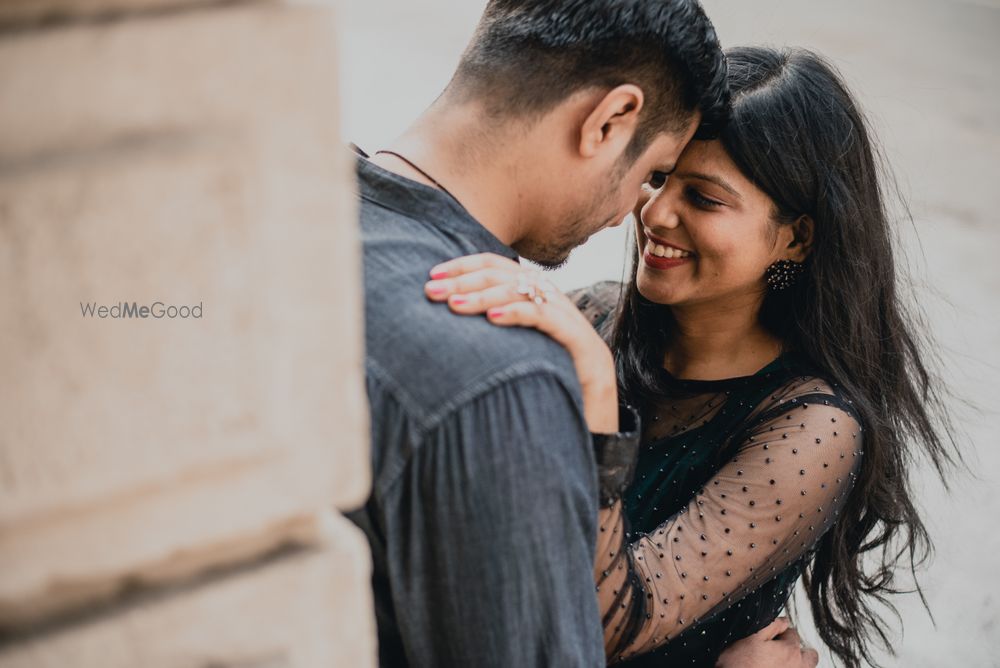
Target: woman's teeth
(666, 251)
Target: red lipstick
(655, 262)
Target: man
(482, 518)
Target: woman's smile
(659, 256)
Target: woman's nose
(659, 211)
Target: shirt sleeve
(764, 509)
(490, 534)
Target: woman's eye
(657, 180)
(697, 199)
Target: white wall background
(927, 73)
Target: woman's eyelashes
(700, 200)
(658, 179)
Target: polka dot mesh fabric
(737, 481)
(765, 508)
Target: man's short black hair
(529, 55)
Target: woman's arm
(764, 509)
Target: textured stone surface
(297, 609)
(189, 158)
(35, 14)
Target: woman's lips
(655, 262)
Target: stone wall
(169, 485)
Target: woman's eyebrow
(711, 179)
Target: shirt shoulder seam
(425, 424)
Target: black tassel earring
(782, 274)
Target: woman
(781, 385)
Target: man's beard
(553, 253)
(550, 254)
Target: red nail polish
(437, 292)
(494, 312)
(439, 274)
(459, 301)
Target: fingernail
(459, 301)
(495, 312)
(435, 289)
(437, 273)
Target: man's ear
(800, 246)
(611, 124)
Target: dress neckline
(782, 362)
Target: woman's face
(705, 232)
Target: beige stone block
(34, 14)
(232, 68)
(189, 162)
(297, 609)
(43, 14)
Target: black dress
(736, 482)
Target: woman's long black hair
(798, 135)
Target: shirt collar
(421, 202)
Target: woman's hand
(512, 296)
(777, 645)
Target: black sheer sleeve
(764, 509)
(616, 455)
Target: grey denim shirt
(482, 518)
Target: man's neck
(714, 342)
(452, 144)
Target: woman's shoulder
(805, 384)
(598, 301)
